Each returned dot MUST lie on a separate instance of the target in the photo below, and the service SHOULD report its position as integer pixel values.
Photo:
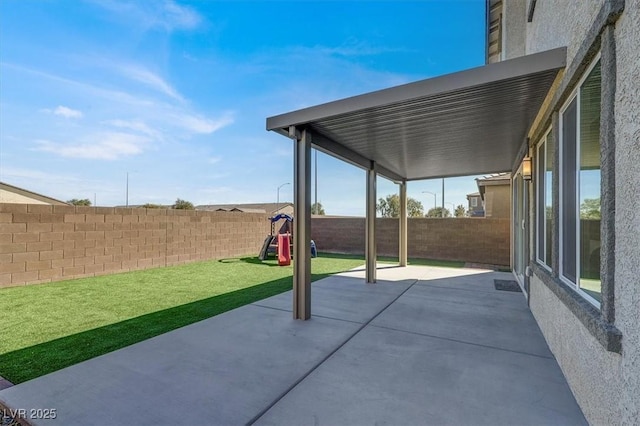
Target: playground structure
(281, 244)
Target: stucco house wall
(515, 16)
(627, 246)
(17, 195)
(497, 201)
(606, 384)
(558, 23)
(12, 197)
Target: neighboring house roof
(16, 195)
(475, 194)
(140, 206)
(495, 179)
(245, 210)
(269, 208)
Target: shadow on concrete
(34, 361)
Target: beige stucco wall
(12, 197)
(605, 384)
(627, 275)
(558, 23)
(497, 201)
(592, 372)
(514, 13)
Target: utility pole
(442, 197)
(315, 185)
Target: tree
(390, 206)
(151, 206)
(437, 212)
(78, 202)
(183, 205)
(460, 211)
(590, 208)
(316, 208)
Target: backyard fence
(42, 243)
(475, 240)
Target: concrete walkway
(422, 346)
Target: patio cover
(465, 123)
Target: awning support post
(402, 238)
(301, 224)
(370, 240)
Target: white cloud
(150, 79)
(136, 125)
(167, 14)
(354, 47)
(214, 160)
(199, 124)
(125, 113)
(106, 146)
(65, 112)
(36, 175)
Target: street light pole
(435, 202)
(278, 196)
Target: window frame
(474, 201)
(541, 200)
(575, 95)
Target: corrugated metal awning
(465, 123)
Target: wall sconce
(526, 168)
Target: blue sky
(176, 93)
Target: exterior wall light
(526, 168)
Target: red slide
(284, 250)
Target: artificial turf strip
(52, 326)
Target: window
(580, 188)
(474, 202)
(544, 176)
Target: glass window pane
(590, 184)
(540, 172)
(548, 196)
(569, 121)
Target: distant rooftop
(495, 177)
(13, 194)
(269, 208)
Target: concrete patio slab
(391, 377)
(344, 298)
(498, 319)
(223, 370)
(447, 349)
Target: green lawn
(51, 326)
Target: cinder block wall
(42, 243)
(477, 240)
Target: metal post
(301, 224)
(315, 178)
(402, 238)
(370, 249)
(442, 197)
